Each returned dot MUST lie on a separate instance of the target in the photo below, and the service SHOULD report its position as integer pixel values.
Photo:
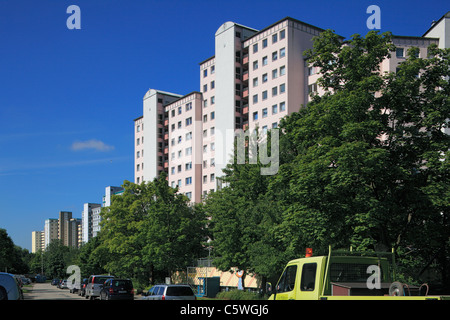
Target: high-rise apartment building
(37, 241)
(87, 220)
(51, 231)
(254, 79)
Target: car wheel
(3, 295)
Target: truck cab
(340, 274)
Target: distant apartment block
(254, 79)
(37, 241)
(91, 214)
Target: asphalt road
(45, 291)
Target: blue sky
(68, 97)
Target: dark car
(55, 281)
(117, 289)
(83, 285)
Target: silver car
(9, 287)
(95, 285)
(170, 292)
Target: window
(213, 100)
(255, 65)
(179, 168)
(188, 181)
(274, 38)
(138, 128)
(205, 179)
(255, 98)
(188, 136)
(264, 95)
(282, 52)
(282, 106)
(189, 106)
(264, 113)
(172, 170)
(211, 177)
(312, 88)
(213, 146)
(282, 88)
(179, 110)
(179, 139)
(205, 148)
(205, 87)
(173, 113)
(274, 56)
(255, 115)
(172, 126)
(188, 151)
(275, 109)
(308, 277)
(311, 71)
(188, 166)
(213, 115)
(282, 70)
(205, 118)
(255, 82)
(400, 52)
(189, 195)
(255, 48)
(274, 91)
(274, 73)
(282, 34)
(138, 154)
(287, 280)
(138, 141)
(213, 129)
(264, 61)
(205, 73)
(213, 69)
(205, 103)
(264, 77)
(189, 121)
(264, 43)
(205, 163)
(179, 183)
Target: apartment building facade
(254, 79)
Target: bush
(238, 295)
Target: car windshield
(179, 291)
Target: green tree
(243, 221)
(151, 231)
(366, 163)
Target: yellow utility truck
(345, 275)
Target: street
(45, 291)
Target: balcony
(166, 122)
(245, 93)
(166, 150)
(245, 76)
(245, 59)
(245, 109)
(166, 136)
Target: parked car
(9, 287)
(94, 285)
(83, 285)
(63, 284)
(117, 289)
(170, 292)
(55, 282)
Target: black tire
(3, 294)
